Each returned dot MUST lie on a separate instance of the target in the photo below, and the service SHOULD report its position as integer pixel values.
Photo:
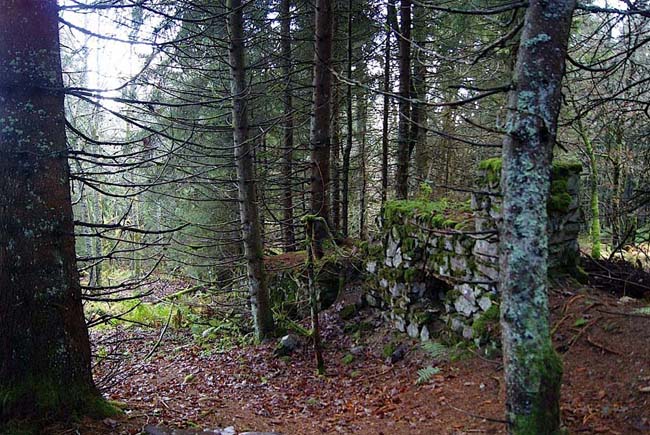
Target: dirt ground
(603, 339)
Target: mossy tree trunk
(533, 370)
(248, 211)
(44, 347)
(594, 202)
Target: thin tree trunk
(348, 146)
(390, 12)
(44, 347)
(362, 112)
(287, 161)
(593, 192)
(314, 297)
(253, 248)
(334, 160)
(319, 134)
(533, 370)
(404, 123)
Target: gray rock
(456, 324)
(371, 266)
(413, 330)
(399, 323)
(397, 289)
(419, 288)
(163, 430)
(424, 334)
(485, 303)
(287, 345)
(397, 259)
(468, 332)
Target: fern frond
(425, 374)
(436, 350)
(643, 310)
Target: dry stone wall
(437, 269)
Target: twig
(482, 417)
(582, 331)
(600, 346)
(618, 313)
(162, 334)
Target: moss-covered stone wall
(437, 269)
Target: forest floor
(604, 340)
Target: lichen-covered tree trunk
(403, 130)
(594, 201)
(533, 370)
(44, 347)
(287, 126)
(249, 216)
(319, 134)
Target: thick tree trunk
(253, 248)
(533, 370)
(403, 126)
(287, 161)
(348, 146)
(319, 134)
(419, 92)
(44, 346)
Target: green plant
(643, 311)
(426, 374)
(436, 350)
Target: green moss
(348, 311)
(48, 399)
(559, 199)
(544, 412)
(413, 275)
(388, 349)
(492, 168)
(428, 213)
(560, 170)
(564, 169)
(486, 326)
(348, 359)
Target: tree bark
(319, 134)
(335, 171)
(533, 370)
(44, 347)
(345, 212)
(403, 126)
(594, 200)
(390, 13)
(419, 92)
(287, 161)
(249, 215)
